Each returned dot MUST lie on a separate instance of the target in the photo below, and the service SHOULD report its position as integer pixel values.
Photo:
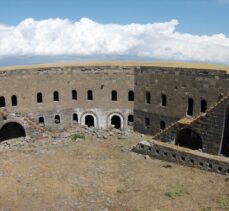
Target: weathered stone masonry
(152, 96)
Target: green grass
(77, 136)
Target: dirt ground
(101, 174)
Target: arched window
(162, 125)
(130, 119)
(190, 106)
(74, 94)
(75, 118)
(41, 120)
(147, 98)
(89, 95)
(114, 95)
(203, 106)
(131, 95)
(39, 97)
(14, 100)
(56, 96)
(57, 119)
(2, 101)
(163, 100)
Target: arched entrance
(116, 121)
(89, 121)
(189, 139)
(11, 130)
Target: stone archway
(11, 130)
(189, 138)
(89, 120)
(116, 121)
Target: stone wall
(183, 156)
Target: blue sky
(195, 17)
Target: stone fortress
(182, 104)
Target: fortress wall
(178, 85)
(25, 84)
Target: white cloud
(54, 37)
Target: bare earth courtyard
(71, 172)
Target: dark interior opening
(89, 121)
(2, 101)
(74, 94)
(147, 98)
(162, 125)
(147, 122)
(131, 95)
(57, 119)
(203, 106)
(39, 97)
(190, 106)
(11, 130)
(225, 143)
(116, 121)
(189, 139)
(163, 100)
(14, 100)
(75, 118)
(41, 120)
(114, 95)
(130, 119)
(89, 95)
(55, 96)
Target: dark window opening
(2, 101)
(114, 95)
(189, 139)
(203, 106)
(11, 130)
(57, 119)
(147, 98)
(74, 94)
(116, 122)
(89, 121)
(55, 96)
(225, 143)
(41, 120)
(162, 125)
(147, 122)
(75, 118)
(39, 97)
(14, 100)
(89, 95)
(163, 100)
(130, 119)
(190, 106)
(131, 95)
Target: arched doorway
(11, 130)
(116, 121)
(189, 139)
(89, 121)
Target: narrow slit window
(147, 122)
(56, 96)
(2, 101)
(130, 119)
(162, 125)
(114, 95)
(190, 106)
(89, 95)
(131, 95)
(147, 98)
(14, 100)
(203, 106)
(163, 100)
(39, 97)
(74, 94)
(75, 118)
